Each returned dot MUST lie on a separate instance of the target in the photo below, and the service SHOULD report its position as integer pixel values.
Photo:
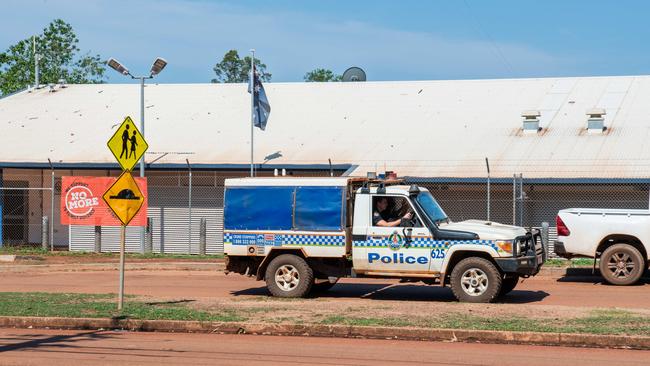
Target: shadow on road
(183, 301)
(28, 341)
(400, 292)
(586, 275)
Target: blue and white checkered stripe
(318, 240)
(425, 243)
(285, 239)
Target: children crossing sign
(127, 145)
(124, 198)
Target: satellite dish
(354, 74)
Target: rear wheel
(289, 276)
(475, 279)
(621, 264)
(508, 284)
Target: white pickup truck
(302, 234)
(619, 238)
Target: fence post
(514, 199)
(189, 199)
(45, 233)
(545, 238)
(148, 241)
(203, 239)
(522, 198)
(98, 239)
(51, 236)
(487, 164)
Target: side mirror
(414, 190)
(407, 232)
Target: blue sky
(391, 40)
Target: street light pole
(252, 85)
(142, 122)
(143, 230)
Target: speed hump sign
(124, 198)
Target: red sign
(82, 203)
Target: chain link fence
(26, 209)
(531, 202)
(185, 212)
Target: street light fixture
(158, 65)
(117, 66)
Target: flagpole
(252, 84)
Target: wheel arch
(612, 239)
(458, 256)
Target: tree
(321, 75)
(233, 69)
(59, 59)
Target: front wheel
(621, 264)
(475, 279)
(289, 276)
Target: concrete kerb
(317, 330)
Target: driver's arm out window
(396, 209)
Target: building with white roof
(589, 131)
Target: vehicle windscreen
(431, 207)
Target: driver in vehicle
(381, 215)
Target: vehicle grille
(530, 243)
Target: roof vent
(596, 120)
(531, 121)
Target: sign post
(120, 296)
(124, 197)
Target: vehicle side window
(395, 208)
(258, 208)
(319, 208)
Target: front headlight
(505, 245)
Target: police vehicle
(302, 235)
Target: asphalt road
(570, 291)
(55, 347)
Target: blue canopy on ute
(309, 208)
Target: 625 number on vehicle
(437, 254)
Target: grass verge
(597, 321)
(104, 306)
(578, 262)
(610, 322)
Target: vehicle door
(397, 249)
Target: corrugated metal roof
(287, 181)
(417, 128)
